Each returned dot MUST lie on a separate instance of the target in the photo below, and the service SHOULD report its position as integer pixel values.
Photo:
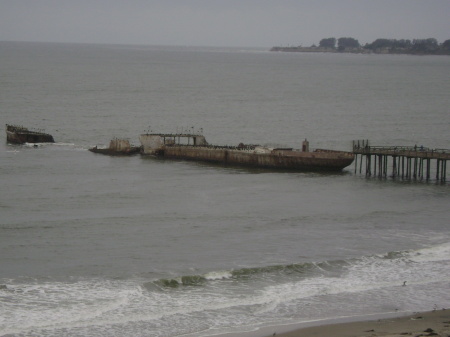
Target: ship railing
(12, 127)
(333, 151)
(217, 147)
(168, 135)
(20, 128)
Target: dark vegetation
(428, 46)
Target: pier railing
(413, 151)
(410, 162)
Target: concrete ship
(194, 147)
(117, 147)
(21, 135)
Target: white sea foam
(62, 144)
(35, 144)
(437, 253)
(371, 274)
(103, 306)
(48, 144)
(51, 306)
(218, 275)
(60, 304)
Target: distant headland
(428, 46)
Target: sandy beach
(433, 323)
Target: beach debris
(430, 332)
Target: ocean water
(92, 245)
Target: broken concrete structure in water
(20, 135)
(117, 147)
(195, 147)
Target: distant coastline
(428, 46)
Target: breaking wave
(249, 273)
(332, 268)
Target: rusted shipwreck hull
(195, 147)
(21, 135)
(117, 147)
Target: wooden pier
(405, 162)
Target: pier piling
(408, 162)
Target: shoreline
(430, 323)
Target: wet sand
(433, 323)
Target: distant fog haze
(249, 23)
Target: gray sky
(252, 23)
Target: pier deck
(407, 162)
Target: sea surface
(92, 245)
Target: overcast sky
(252, 23)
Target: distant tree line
(426, 46)
(386, 46)
(342, 43)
